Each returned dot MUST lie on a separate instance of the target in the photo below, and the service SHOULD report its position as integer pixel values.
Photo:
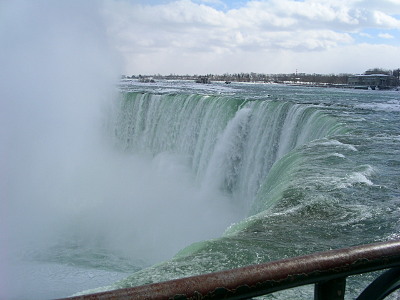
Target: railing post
(330, 290)
(382, 286)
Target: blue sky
(217, 4)
(378, 36)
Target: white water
(230, 144)
(224, 164)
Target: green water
(313, 169)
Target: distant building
(372, 81)
(146, 79)
(203, 79)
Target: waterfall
(229, 143)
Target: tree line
(334, 79)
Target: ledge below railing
(327, 270)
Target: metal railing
(326, 270)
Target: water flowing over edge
(229, 143)
(249, 150)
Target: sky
(262, 36)
(265, 36)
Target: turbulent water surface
(193, 178)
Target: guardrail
(326, 270)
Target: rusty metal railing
(326, 270)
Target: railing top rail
(255, 280)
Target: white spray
(59, 182)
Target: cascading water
(229, 143)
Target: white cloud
(185, 30)
(391, 7)
(383, 20)
(347, 59)
(385, 36)
(187, 25)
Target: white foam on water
(339, 155)
(389, 106)
(337, 144)
(358, 177)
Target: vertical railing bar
(382, 286)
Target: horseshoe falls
(229, 144)
(187, 179)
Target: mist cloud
(57, 70)
(62, 184)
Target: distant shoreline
(318, 83)
(295, 79)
